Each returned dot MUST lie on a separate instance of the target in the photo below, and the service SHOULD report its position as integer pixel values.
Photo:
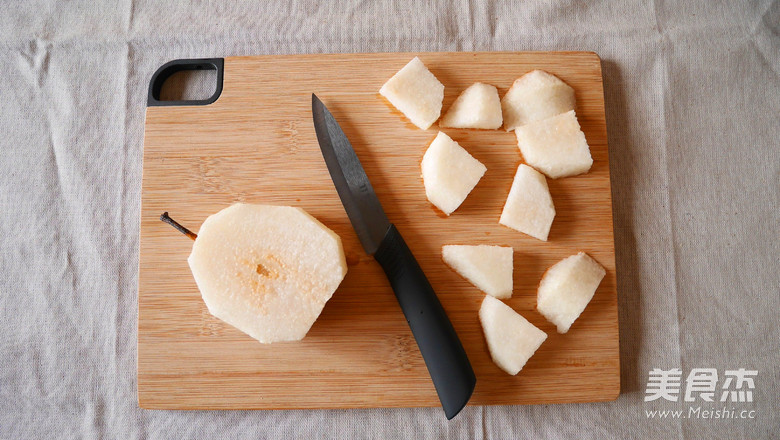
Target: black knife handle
(441, 349)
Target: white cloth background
(693, 108)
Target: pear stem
(164, 217)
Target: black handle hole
(187, 82)
(190, 85)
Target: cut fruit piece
(529, 206)
(477, 107)
(566, 288)
(416, 93)
(555, 146)
(511, 339)
(534, 96)
(267, 270)
(487, 267)
(449, 173)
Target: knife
(439, 345)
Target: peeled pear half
(485, 266)
(555, 146)
(567, 287)
(529, 206)
(267, 270)
(477, 107)
(534, 96)
(449, 173)
(511, 339)
(416, 93)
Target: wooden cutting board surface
(256, 144)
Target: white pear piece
(511, 339)
(449, 173)
(416, 93)
(487, 267)
(534, 96)
(477, 107)
(529, 206)
(566, 288)
(267, 270)
(555, 146)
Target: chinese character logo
(741, 378)
(663, 384)
(701, 383)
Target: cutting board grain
(256, 144)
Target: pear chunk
(566, 288)
(511, 339)
(529, 206)
(267, 270)
(449, 173)
(555, 146)
(534, 96)
(487, 267)
(477, 107)
(416, 93)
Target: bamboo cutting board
(256, 144)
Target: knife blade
(441, 349)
